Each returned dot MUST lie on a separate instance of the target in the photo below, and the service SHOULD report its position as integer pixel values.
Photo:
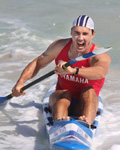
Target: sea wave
(115, 147)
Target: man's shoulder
(62, 42)
(101, 58)
(58, 45)
(55, 48)
(101, 55)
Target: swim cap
(84, 21)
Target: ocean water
(26, 30)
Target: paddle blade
(86, 56)
(3, 99)
(93, 53)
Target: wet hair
(92, 31)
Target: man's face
(82, 37)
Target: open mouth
(81, 44)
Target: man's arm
(30, 71)
(41, 61)
(99, 66)
(33, 68)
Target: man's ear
(71, 31)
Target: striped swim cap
(84, 21)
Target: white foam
(115, 147)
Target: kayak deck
(69, 135)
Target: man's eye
(75, 32)
(85, 33)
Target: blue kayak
(69, 135)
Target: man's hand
(59, 69)
(16, 91)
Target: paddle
(71, 62)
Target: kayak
(69, 135)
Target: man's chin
(81, 50)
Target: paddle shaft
(38, 80)
(32, 83)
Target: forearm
(92, 73)
(29, 72)
(99, 67)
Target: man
(78, 85)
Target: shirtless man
(78, 85)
